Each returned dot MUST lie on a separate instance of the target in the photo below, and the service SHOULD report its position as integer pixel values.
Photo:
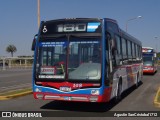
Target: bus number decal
(77, 85)
(71, 27)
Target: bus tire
(137, 80)
(119, 91)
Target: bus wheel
(119, 91)
(137, 80)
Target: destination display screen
(144, 50)
(64, 27)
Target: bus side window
(118, 50)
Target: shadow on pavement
(79, 106)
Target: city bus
(84, 60)
(150, 63)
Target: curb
(156, 102)
(3, 98)
(15, 95)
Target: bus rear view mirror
(34, 43)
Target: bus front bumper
(71, 97)
(148, 71)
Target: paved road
(134, 99)
(15, 78)
(140, 99)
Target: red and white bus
(84, 59)
(149, 60)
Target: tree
(11, 49)
(158, 55)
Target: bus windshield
(70, 59)
(148, 61)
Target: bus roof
(147, 47)
(69, 19)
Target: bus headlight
(38, 90)
(95, 92)
(39, 96)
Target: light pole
(130, 20)
(156, 38)
(38, 12)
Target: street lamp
(130, 20)
(38, 12)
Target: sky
(18, 19)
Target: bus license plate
(66, 98)
(66, 89)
